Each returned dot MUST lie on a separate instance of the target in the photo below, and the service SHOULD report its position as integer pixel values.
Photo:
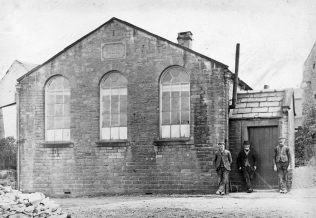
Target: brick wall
(143, 164)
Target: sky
(275, 36)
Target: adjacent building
(309, 86)
(7, 97)
(261, 117)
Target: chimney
(266, 87)
(185, 39)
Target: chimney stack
(185, 39)
(266, 87)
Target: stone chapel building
(122, 110)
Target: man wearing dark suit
(222, 162)
(246, 163)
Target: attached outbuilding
(261, 117)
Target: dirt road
(297, 203)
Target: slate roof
(262, 104)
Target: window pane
(59, 98)
(165, 118)
(66, 109)
(66, 99)
(166, 101)
(106, 120)
(58, 134)
(50, 110)
(175, 131)
(185, 117)
(106, 132)
(184, 77)
(175, 117)
(59, 109)
(115, 104)
(106, 104)
(185, 104)
(50, 135)
(59, 122)
(123, 104)
(50, 122)
(114, 119)
(66, 122)
(175, 104)
(115, 133)
(50, 99)
(123, 132)
(175, 94)
(167, 78)
(59, 83)
(185, 131)
(165, 131)
(123, 119)
(185, 93)
(106, 83)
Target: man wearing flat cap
(222, 162)
(282, 160)
(246, 163)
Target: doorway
(263, 140)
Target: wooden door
(263, 140)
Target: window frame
(165, 72)
(103, 79)
(65, 92)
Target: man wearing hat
(246, 163)
(282, 160)
(222, 162)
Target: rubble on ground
(15, 204)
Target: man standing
(222, 162)
(282, 160)
(246, 162)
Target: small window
(175, 103)
(57, 109)
(314, 66)
(113, 103)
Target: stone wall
(144, 163)
(309, 86)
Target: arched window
(113, 103)
(57, 109)
(175, 103)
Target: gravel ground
(297, 203)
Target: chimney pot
(185, 39)
(266, 87)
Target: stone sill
(112, 143)
(173, 141)
(58, 144)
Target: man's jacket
(227, 159)
(282, 154)
(242, 157)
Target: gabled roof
(262, 104)
(132, 26)
(312, 52)
(25, 65)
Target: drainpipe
(17, 100)
(234, 100)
